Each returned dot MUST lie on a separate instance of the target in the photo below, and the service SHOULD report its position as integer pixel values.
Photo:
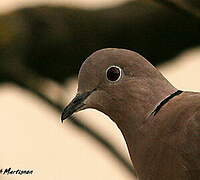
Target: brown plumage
(160, 124)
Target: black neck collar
(163, 102)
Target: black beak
(76, 104)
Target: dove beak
(75, 105)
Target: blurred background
(42, 45)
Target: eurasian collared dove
(160, 124)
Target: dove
(160, 124)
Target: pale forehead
(97, 63)
(93, 70)
(112, 56)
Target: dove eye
(113, 73)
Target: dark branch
(186, 8)
(61, 38)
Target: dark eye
(113, 73)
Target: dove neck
(143, 103)
(131, 113)
(131, 124)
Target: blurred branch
(187, 7)
(61, 38)
(28, 80)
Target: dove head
(119, 83)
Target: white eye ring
(113, 73)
